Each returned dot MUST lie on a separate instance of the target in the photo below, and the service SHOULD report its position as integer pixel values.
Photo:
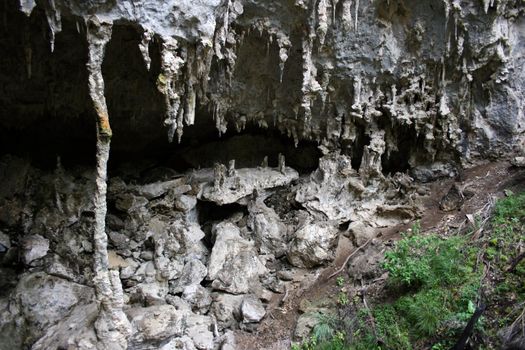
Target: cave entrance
(46, 111)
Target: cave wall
(446, 74)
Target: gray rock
(34, 247)
(226, 308)
(5, 242)
(193, 273)
(313, 245)
(234, 265)
(45, 300)
(155, 323)
(252, 309)
(198, 296)
(269, 231)
(198, 329)
(179, 343)
(185, 203)
(360, 232)
(160, 188)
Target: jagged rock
(34, 247)
(152, 293)
(234, 265)
(193, 273)
(359, 232)
(518, 161)
(305, 324)
(226, 308)
(252, 310)
(313, 245)
(182, 343)
(185, 203)
(128, 202)
(270, 232)
(453, 199)
(44, 300)
(116, 261)
(245, 182)
(198, 296)
(198, 329)
(432, 172)
(74, 331)
(158, 189)
(155, 323)
(5, 242)
(178, 303)
(227, 341)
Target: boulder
(155, 323)
(193, 273)
(34, 247)
(233, 265)
(313, 245)
(198, 297)
(252, 309)
(269, 231)
(226, 308)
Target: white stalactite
(112, 326)
(144, 47)
(168, 84)
(322, 21)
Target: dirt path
(484, 182)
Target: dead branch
(338, 271)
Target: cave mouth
(46, 112)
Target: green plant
(342, 299)
(426, 261)
(340, 281)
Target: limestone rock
(245, 182)
(226, 308)
(197, 296)
(313, 245)
(270, 232)
(34, 247)
(252, 309)
(360, 232)
(155, 323)
(234, 265)
(193, 273)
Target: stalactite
(54, 21)
(346, 14)
(356, 21)
(144, 47)
(322, 21)
(27, 6)
(112, 326)
(168, 83)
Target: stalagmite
(231, 168)
(281, 163)
(264, 163)
(219, 176)
(112, 326)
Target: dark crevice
(209, 213)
